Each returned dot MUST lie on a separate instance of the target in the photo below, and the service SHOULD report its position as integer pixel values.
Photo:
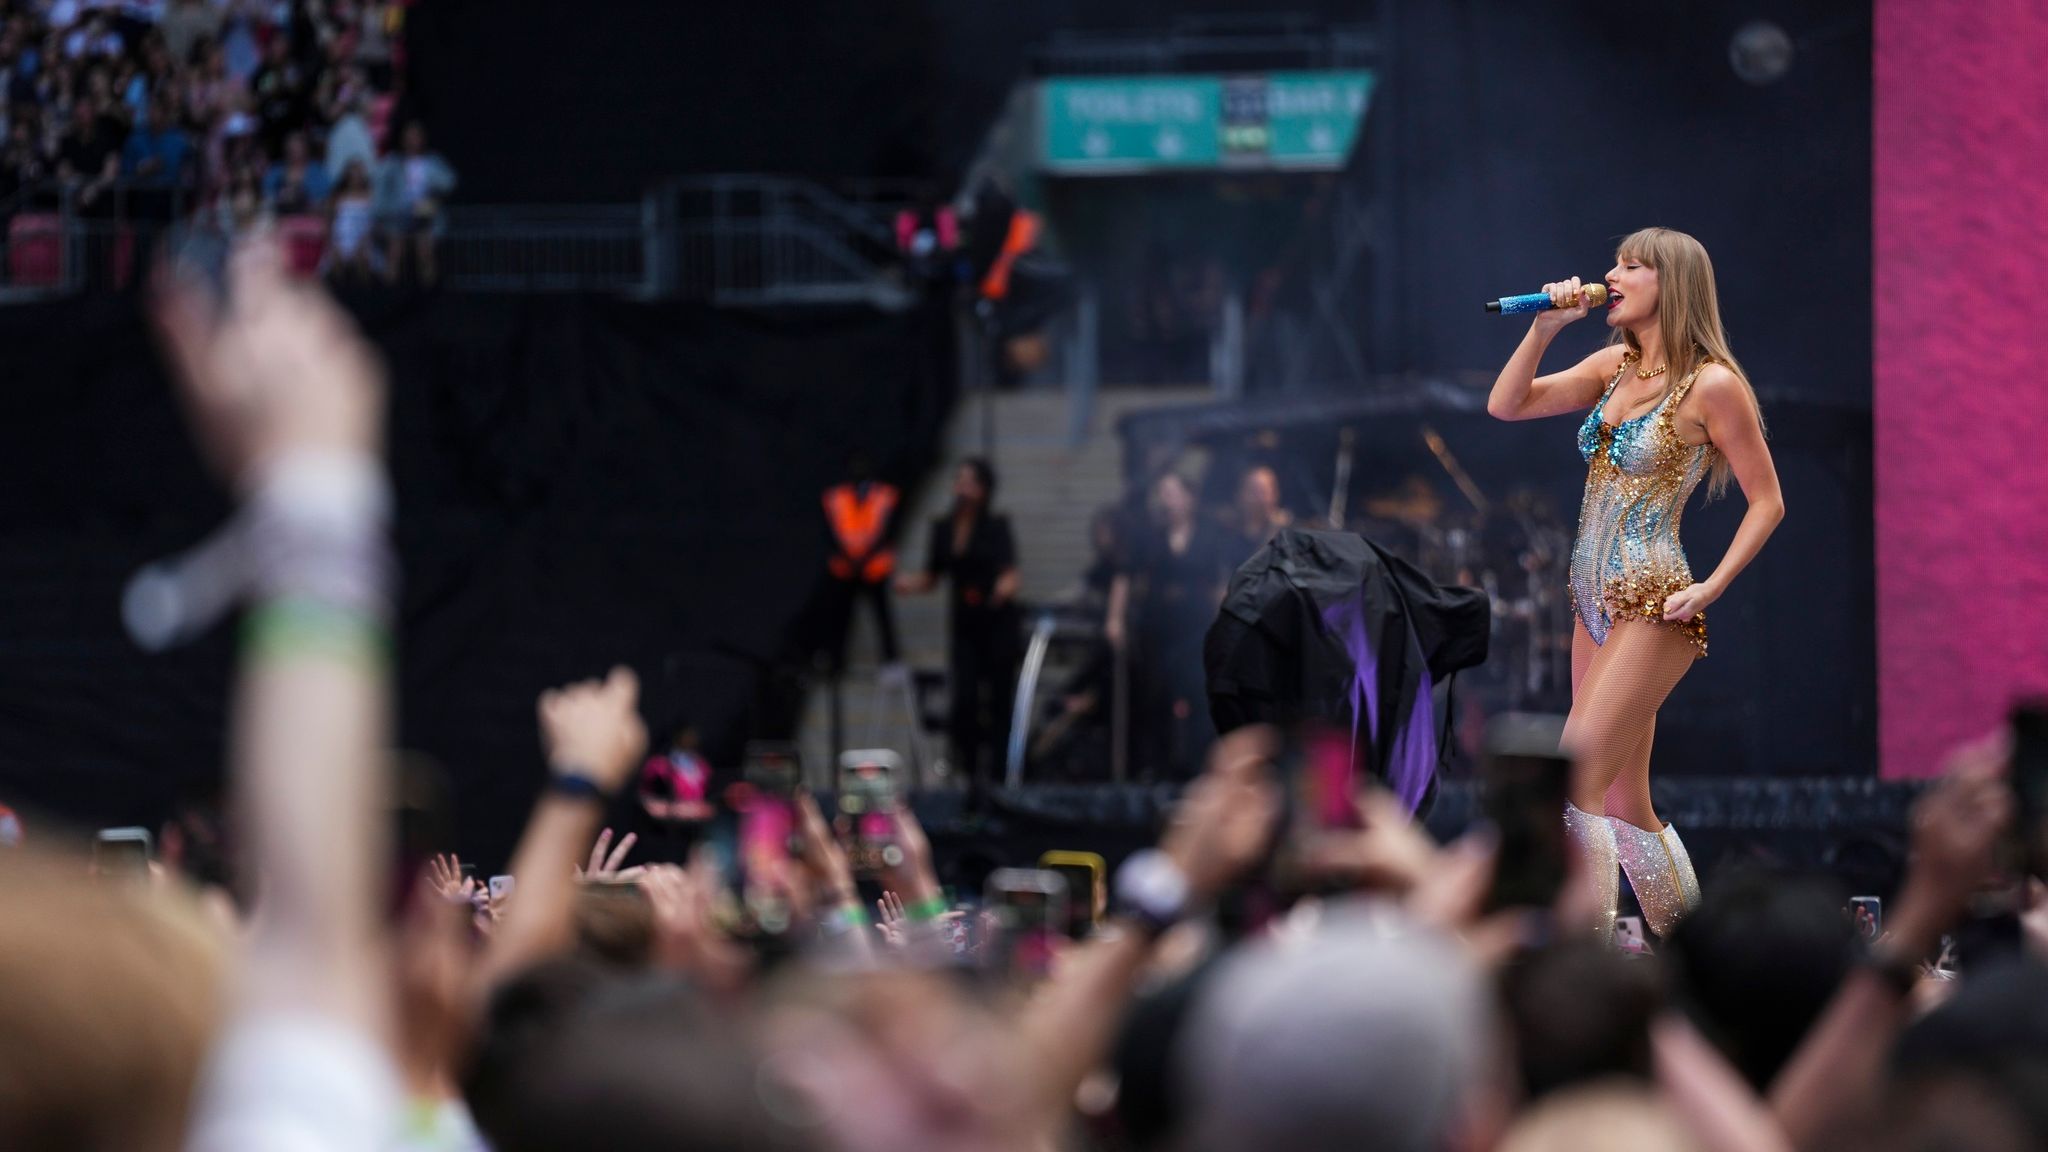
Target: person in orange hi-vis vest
(861, 515)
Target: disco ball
(1760, 52)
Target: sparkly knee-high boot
(1594, 838)
(1660, 871)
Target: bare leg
(1615, 709)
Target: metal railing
(734, 241)
(764, 241)
(1254, 41)
(593, 248)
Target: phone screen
(867, 807)
(1324, 782)
(1027, 907)
(765, 807)
(1525, 795)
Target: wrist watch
(1151, 891)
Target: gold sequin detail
(1628, 560)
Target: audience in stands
(157, 150)
(411, 186)
(157, 110)
(297, 183)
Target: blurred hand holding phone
(1025, 911)
(760, 860)
(1321, 784)
(1526, 781)
(868, 802)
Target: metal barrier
(1057, 631)
(755, 241)
(597, 248)
(729, 241)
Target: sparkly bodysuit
(1627, 559)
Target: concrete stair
(1047, 485)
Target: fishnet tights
(1617, 688)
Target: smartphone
(2030, 784)
(1525, 782)
(122, 852)
(1317, 776)
(867, 809)
(1322, 780)
(501, 887)
(1026, 910)
(765, 803)
(1086, 876)
(469, 871)
(1628, 936)
(1867, 914)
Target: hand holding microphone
(1564, 301)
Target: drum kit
(1518, 549)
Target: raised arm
(287, 398)
(1519, 394)
(593, 737)
(1222, 827)
(1838, 1071)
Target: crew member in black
(1164, 601)
(974, 549)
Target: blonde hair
(109, 994)
(1689, 316)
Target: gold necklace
(1642, 375)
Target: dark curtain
(580, 481)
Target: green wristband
(846, 918)
(302, 627)
(930, 908)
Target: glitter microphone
(1594, 296)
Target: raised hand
(1225, 822)
(605, 858)
(444, 874)
(823, 859)
(912, 877)
(279, 369)
(594, 727)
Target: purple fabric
(1411, 761)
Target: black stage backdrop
(581, 482)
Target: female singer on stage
(1670, 407)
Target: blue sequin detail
(1628, 558)
(1531, 302)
